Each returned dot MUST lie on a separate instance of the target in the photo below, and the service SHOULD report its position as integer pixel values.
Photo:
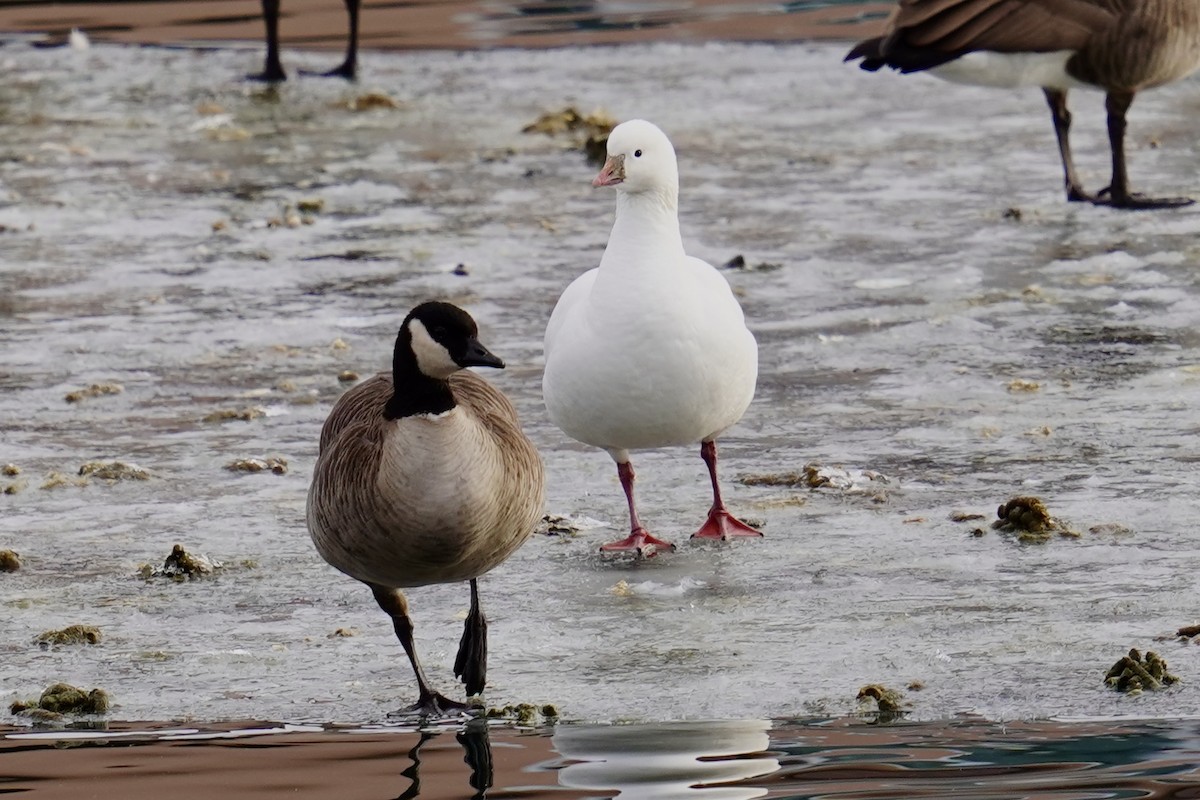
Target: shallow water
(726, 760)
(136, 186)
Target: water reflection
(477, 756)
(679, 760)
(832, 760)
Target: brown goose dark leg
(471, 662)
(1117, 193)
(272, 70)
(430, 703)
(348, 69)
(1057, 100)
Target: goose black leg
(272, 70)
(348, 69)
(430, 703)
(1117, 193)
(471, 662)
(1057, 100)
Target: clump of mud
(95, 390)
(347, 376)
(740, 263)
(1133, 674)
(816, 476)
(243, 414)
(56, 480)
(10, 470)
(566, 524)
(1029, 519)
(889, 704)
(275, 464)
(60, 699)
(72, 634)
(526, 715)
(370, 101)
(1189, 632)
(588, 133)
(113, 471)
(9, 561)
(181, 565)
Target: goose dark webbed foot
(1138, 202)
(347, 70)
(431, 705)
(1076, 194)
(470, 665)
(269, 75)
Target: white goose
(650, 349)
(424, 476)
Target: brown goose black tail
(885, 51)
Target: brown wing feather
(926, 33)
(356, 406)
(1002, 26)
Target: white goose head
(640, 160)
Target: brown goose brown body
(404, 519)
(1120, 46)
(425, 498)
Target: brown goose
(1120, 46)
(423, 476)
(273, 70)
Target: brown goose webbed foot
(471, 662)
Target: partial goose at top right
(1120, 46)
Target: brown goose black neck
(413, 391)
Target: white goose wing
(568, 303)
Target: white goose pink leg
(639, 538)
(720, 523)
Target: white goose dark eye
(637, 153)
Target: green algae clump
(181, 565)
(9, 561)
(525, 715)
(72, 634)
(1030, 520)
(63, 698)
(1133, 673)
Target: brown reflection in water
(436, 764)
(838, 760)
(454, 24)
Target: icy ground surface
(939, 317)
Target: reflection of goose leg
(430, 703)
(348, 69)
(413, 770)
(474, 739)
(272, 69)
(471, 662)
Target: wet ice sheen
(907, 303)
